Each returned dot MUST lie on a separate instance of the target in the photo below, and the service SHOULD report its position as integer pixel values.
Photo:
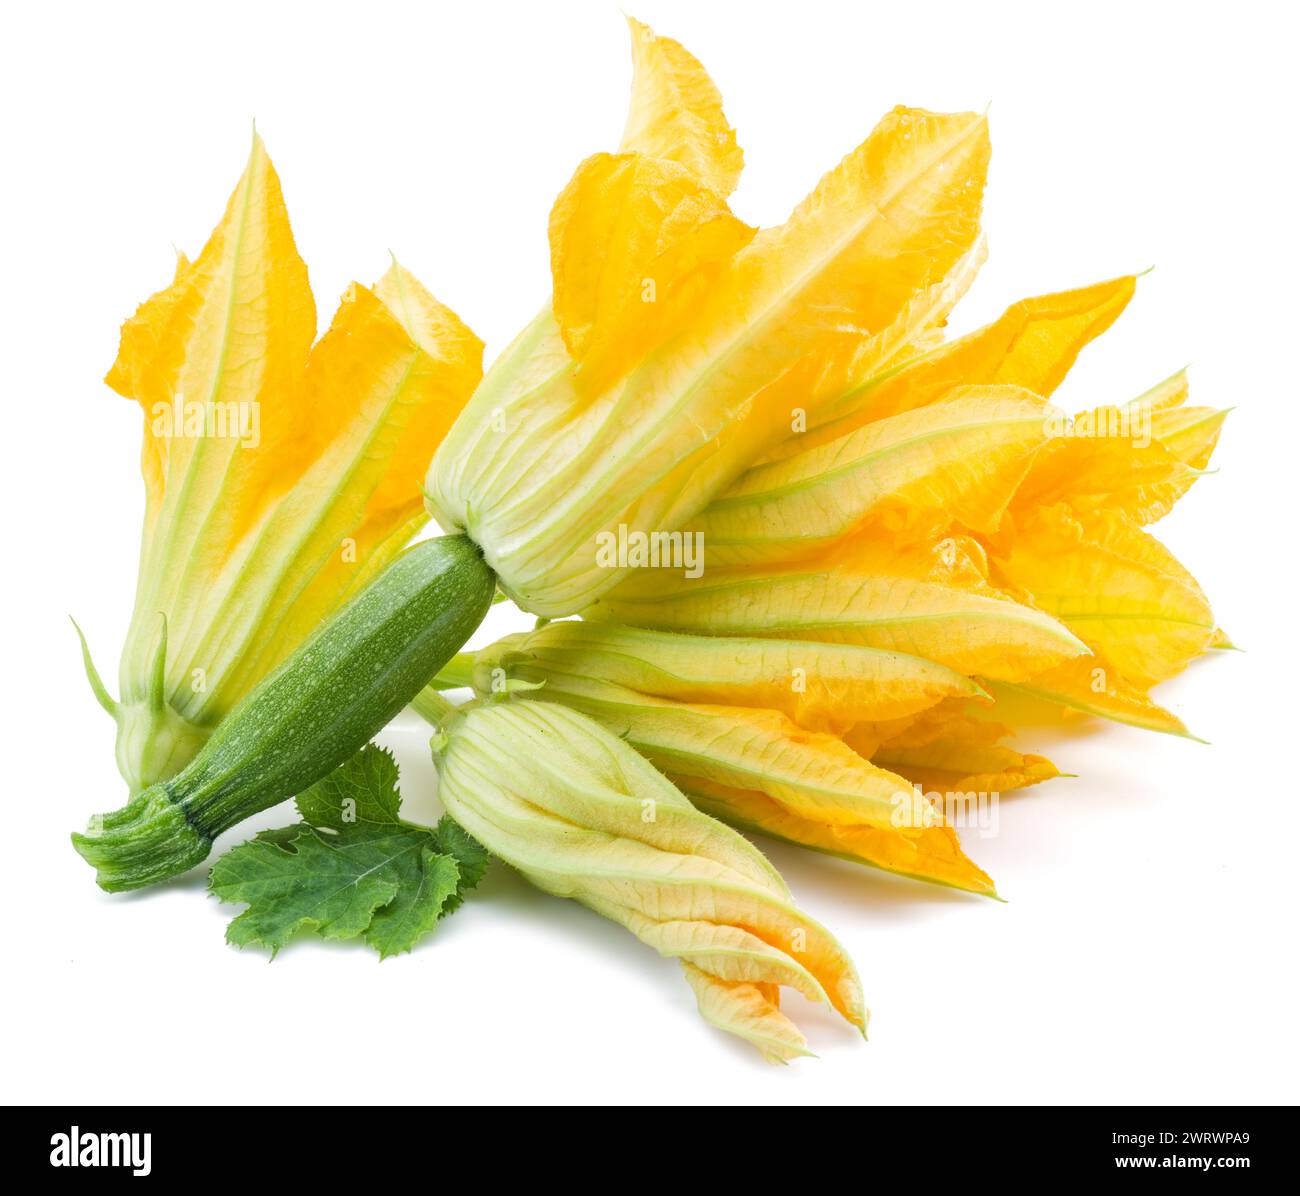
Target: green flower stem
(457, 673)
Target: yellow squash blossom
(1011, 553)
(680, 343)
(952, 752)
(922, 602)
(883, 544)
(582, 815)
(749, 729)
(881, 511)
(786, 398)
(1075, 545)
(279, 475)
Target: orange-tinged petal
(917, 329)
(733, 954)
(908, 477)
(964, 758)
(676, 112)
(820, 686)
(748, 1010)
(1091, 470)
(1032, 345)
(1138, 459)
(1091, 685)
(148, 363)
(790, 320)
(244, 353)
(452, 369)
(926, 853)
(968, 631)
(892, 218)
(217, 360)
(636, 242)
(866, 738)
(1190, 434)
(952, 721)
(915, 332)
(1113, 585)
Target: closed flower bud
(582, 815)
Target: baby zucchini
(321, 705)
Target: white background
(1148, 948)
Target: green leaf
(420, 901)
(351, 868)
(362, 789)
(471, 857)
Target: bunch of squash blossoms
(879, 549)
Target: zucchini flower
(750, 729)
(681, 345)
(778, 412)
(938, 515)
(948, 540)
(1075, 546)
(582, 815)
(280, 476)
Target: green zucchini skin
(320, 706)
